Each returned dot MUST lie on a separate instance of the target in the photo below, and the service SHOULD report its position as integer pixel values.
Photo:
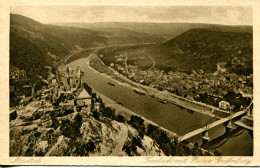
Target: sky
(227, 15)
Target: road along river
(176, 119)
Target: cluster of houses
(121, 64)
(216, 84)
(195, 83)
(67, 88)
(64, 89)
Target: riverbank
(163, 95)
(119, 108)
(172, 117)
(128, 113)
(132, 117)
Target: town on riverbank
(66, 114)
(63, 94)
(214, 105)
(117, 81)
(217, 89)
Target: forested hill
(204, 48)
(222, 37)
(165, 30)
(33, 44)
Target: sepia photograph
(131, 81)
(167, 84)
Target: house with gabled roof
(84, 96)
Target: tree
(96, 115)
(164, 137)
(72, 128)
(152, 130)
(91, 146)
(138, 124)
(109, 112)
(120, 118)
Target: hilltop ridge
(44, 44)
(195, 49)
(165, 30)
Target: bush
(72, 129)
(77, 147)
(127, 149)
(164, 137)
(137, 123)
(91, 146)
(109, 112)
(120, 118)
(168, 149)
(137, 142)
(152, 130)
(96, 115)
(130, 148)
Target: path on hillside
(122, 137)
(55, 146)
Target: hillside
(118, 36)
(69, 133)
(27, 55)
(196, 49)
(204, 48)
(165, 30)
(32, 47)
(33, 44)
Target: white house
(224, 105)
(83, 97)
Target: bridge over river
(204, 130)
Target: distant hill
(204, 48)
(118, 36)
(165, 30)
(33, 44)
(198, 49)
(214, 36)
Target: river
(169, 116)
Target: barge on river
(139, 91)
(110, 83)
(161, 101)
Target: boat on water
(139, 91)
(110, 83)
(179, 106)
(161, 101)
